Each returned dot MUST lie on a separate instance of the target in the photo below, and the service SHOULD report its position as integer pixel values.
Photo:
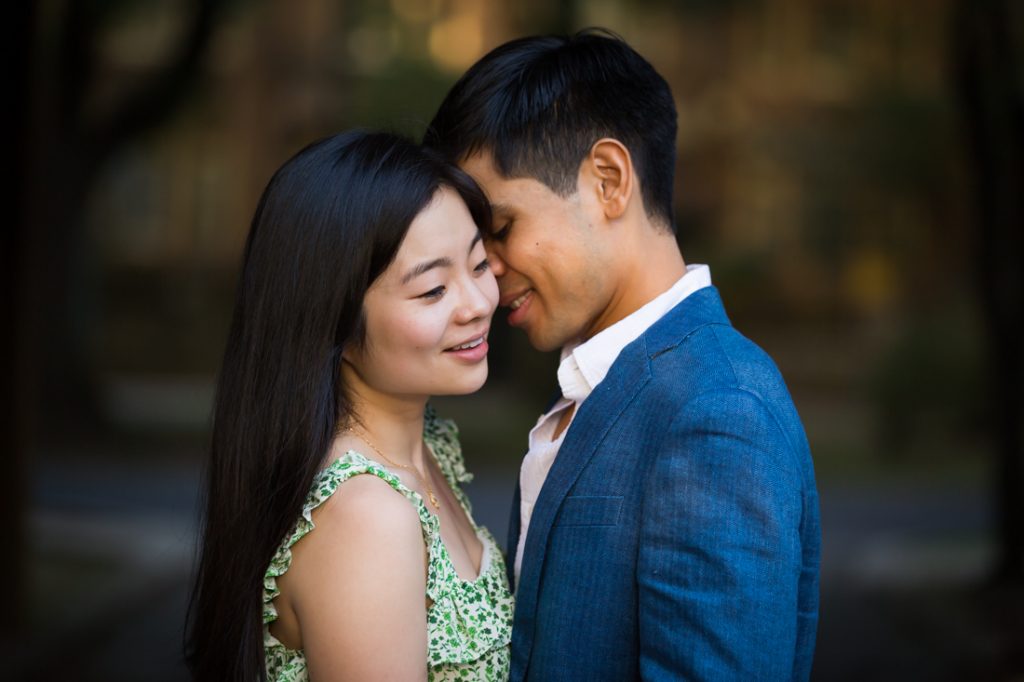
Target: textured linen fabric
(469, 623)
(677, 532)
(584, 366)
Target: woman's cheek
(492, 291)
(425, 331)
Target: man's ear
(608, 172)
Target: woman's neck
(392, 424)
(398, 435)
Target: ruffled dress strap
(284, 664)
(442, 436)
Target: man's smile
(515, 299)
(514, 305)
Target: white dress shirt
(582, 368)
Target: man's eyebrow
(425, 267)
(504, 209)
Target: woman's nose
(476, 303)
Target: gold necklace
(430, 492)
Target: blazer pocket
(589, 511)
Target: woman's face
(428, 314)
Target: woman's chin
(471, 383)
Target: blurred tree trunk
(72, 147)
(14, 400)
(565, 18)
(59, 152)
(989, 59)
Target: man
(666, 522)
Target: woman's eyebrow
(426, 266)
(445, 262)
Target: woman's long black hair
(328, 224)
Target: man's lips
(520, 308)
(515, 300)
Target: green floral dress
(469, 623)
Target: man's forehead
(480, 164)
(506, 194)
(499, 189)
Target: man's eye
(501, 234)
(436, 292)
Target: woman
(333, 490)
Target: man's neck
(649, 271)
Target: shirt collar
(585, 365)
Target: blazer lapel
(592, 422)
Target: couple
(665, 525)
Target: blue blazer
(677, 533)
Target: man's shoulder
(717, 370)
(711, 356)
(694, 350)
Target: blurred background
(852, 170)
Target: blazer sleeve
(720, 556)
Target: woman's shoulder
(357, 517)
(367, 549)
(353, 500)
(367, 505)
(360, 530)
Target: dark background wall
(852, 170)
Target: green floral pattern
(469, 624)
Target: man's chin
(541, 341)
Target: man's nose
(494, 258)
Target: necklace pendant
(433, 499)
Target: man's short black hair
(539, 104)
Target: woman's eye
(483, 266)
(436, 292)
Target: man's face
(547, 255)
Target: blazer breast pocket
(589, 510)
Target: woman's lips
(472, 351)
